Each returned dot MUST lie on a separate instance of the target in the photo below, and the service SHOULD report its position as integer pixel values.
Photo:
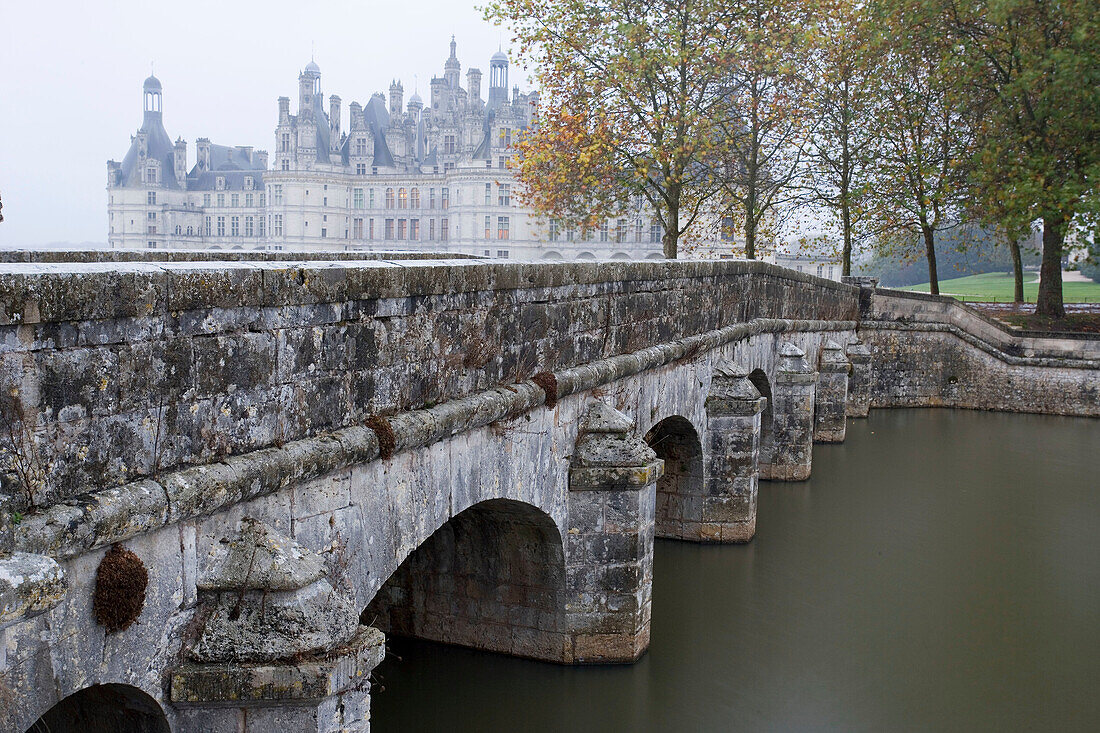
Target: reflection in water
(938, 572)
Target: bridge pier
(831, 400)
(732, 463)
(274, 645)
(793, 417)
(859, 382)
(609, 541)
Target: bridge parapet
(118, 371)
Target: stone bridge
(224, 479)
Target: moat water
(939, 572)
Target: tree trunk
(1017, 271)
(846, 256)
(750, 239)
(930, 254)
(1049, 303)
(670, 238)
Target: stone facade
(507, 502)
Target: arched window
(389, 198)
(414, 199)
(402, 198)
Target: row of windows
(604, 233)
(234, 200)
(253, 226)
(398, 229)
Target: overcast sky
(71, 75)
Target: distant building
(154, 201)
(421, 176)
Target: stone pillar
(732, 459)
(609, 543)
(275, 646)
(859, 382)
(793, 412)
(831, 401)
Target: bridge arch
(620, 256)
(760, 380)
(492, 578)
(586, 256)
(107, 708)
(552, 255)
(680, 491)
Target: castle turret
(397, 93)
(309, 84)
(151, 98)
(415, 105)
(438, 85)
(473, 86)
(451, 67)
(498, 80)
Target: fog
(70, 91)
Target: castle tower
(397, 93)
(151, 98)
(415, 105)
(309, 85)
(498, 80)
(451, 67)
(473, 86)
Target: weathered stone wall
(131, 369)
(929, 351)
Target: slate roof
(158, 147)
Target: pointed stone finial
(857, 351)
(833, 358)
(267, 598)
(608, 456)
(603, 418)
(730, 370)
(260, 558)
(792, 366)
(731, 392)
(792, 360)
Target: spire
(453, 47)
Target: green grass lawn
(997, 287)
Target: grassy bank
(996, 287)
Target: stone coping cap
(308, 678)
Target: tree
(765, 120)
(923, 140)
(843, 93)
(629, 94)
(1033, 72)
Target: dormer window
(219, 183)
(248, 182)
(151, 174)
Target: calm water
(940, 571)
